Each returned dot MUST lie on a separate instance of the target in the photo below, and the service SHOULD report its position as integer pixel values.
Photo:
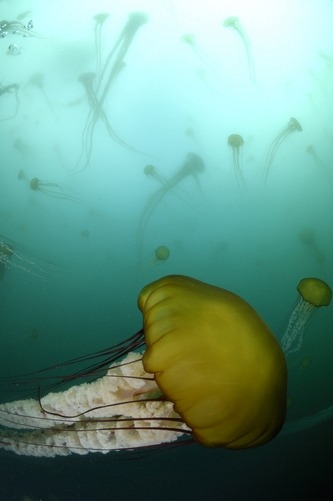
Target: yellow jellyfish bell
(216, 360)
(162, 253)
(314, 293)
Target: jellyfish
(100, 19)
(190, 41)
(293, 126)
(211, 373)
(311, 150)
(313, 293)
(235, 141)
(307, 237)
(16, 28)
(97, 86)
(53, 190)
(151, 171)
(192, 166)
(11, 89)
(6, 252)
(37, 80)
(162, 253)
(233, 22)
(14, 256)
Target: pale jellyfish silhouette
(11, 89)
(311, 150)
(15, 257)
(162, 253)
(190, 40)
(151, 171)
(293, 126)
(308, 237)
(192, 166)
(235, 141)
(53, 190)
(233, 22)
(313, 293)
(97, 85)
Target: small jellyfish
(307, 237)
(292, 126)
(313, 293)
(190, 40)
(53, 190)
(235, 141)
(233, 22)
(192, 166)
(151, 171)
(311, 150)
(37, 81)
(97, 85)
(6, 252)
(162, 253)
(9, 89)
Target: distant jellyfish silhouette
(212, 372)
(151, 171)
(292, 126)
(52, 190)
(235, 141)
(233, 22)
(313, 293)
(307, 237)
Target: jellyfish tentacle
(233, 22)
(292, 126)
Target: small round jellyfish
(162, 253)
(313, 293)
(292, 126)
(235, 141)
(233, 22)
(53, 190)
(151, 171)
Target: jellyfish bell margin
(313, 293)
(214, 389)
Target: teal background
(80, 260)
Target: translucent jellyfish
(100, 19)
(15, 257)
(233, 22)
(97, 85)
(37, 80)
(151, 171)
(16, 28)
(235, 141)
(11, 89)
(195, 380)
(313, 293)
(190, 40)
(311, 150)
(53, 190)
(308, 237)
(293, 126)
(192, 166)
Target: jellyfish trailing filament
(233, 22)
(313, 293)
(292, 126)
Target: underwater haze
(146, 138)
